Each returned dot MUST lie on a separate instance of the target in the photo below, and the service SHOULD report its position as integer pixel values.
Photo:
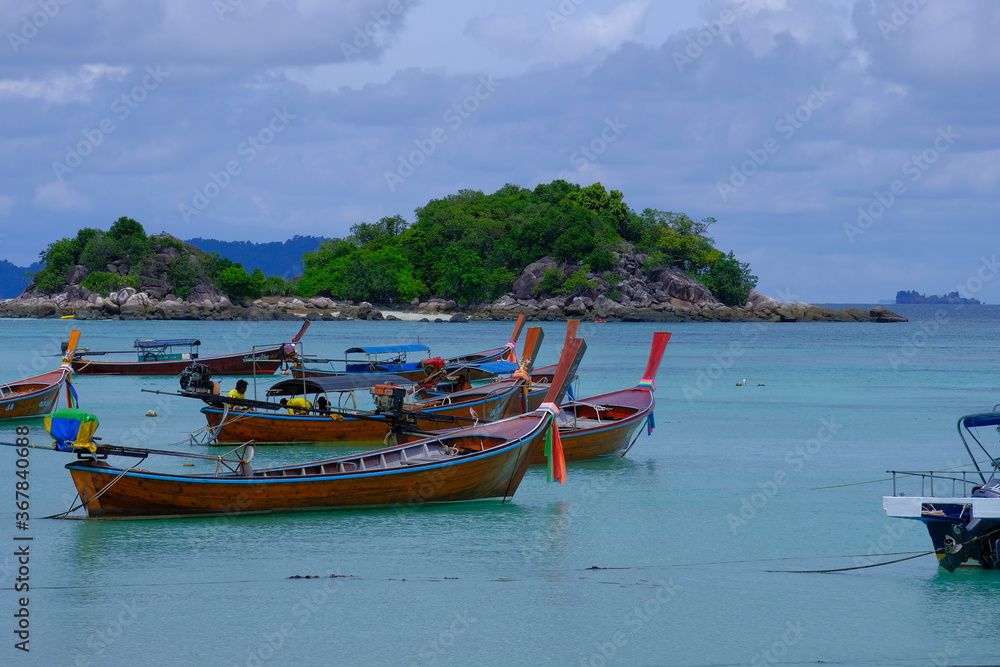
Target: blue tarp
(495, 367)
(164, 343)
(387, 349)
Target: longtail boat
(36, 396)
(171, 357)
(478, 463)
(268, 422)
(607, 425)
(392, 359)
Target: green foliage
(600, 260)
(730, 280)
(681, 241)
(577, 283)
(551, 282)
(382, 275)
(106, 283)
(278, 286)
(183, 274)
(234, 281)
(59, 259)
(378, 232)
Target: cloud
(223, 35)
(62, 86)
(564, 34)
(57, 196)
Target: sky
(847, 149)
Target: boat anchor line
(96, 495)
(888, 562)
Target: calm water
(688, 526)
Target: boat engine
(197, 378)
(389, 397)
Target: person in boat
(298, 405)
(322, 404)
(240, 391)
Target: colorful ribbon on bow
(553, 446)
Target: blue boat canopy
(166, 343)
(494, 367)
(973, 421)
(386, 349)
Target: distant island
(952, 298)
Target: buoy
(760, 384)
(150, 413)
(742, 384)
(189, 464)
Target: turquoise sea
(686, 532)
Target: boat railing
(951, 483)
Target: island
(952, 298)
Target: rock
(449, 306)
(45, 309)
(77, 274)
(531, 276)
(576, 307)
(756, 300)
(363, 308)
(375, 316)
(458, 317)
(880, 314)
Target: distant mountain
(13, 279)
(952, 298)
(276, 258)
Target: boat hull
(33, 397)
(965, 532)
(235, 426)
(401, 482)
(587, 438)
(259, 362)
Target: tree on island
(469, 246)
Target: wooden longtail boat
(482, 462)
(396, 363)
(159, 357)
(37, 396)
(487, 402)
(607, 425)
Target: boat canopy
(315, 385)
(492, 367)
(387, 349)
(988, 419)
(166, 343)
